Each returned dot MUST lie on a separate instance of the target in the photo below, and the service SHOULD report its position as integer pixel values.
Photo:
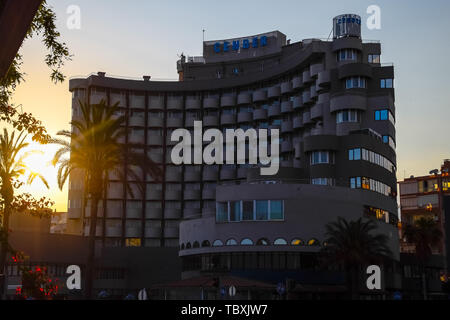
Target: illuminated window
(246, 242)
(374, 58)
(297, 242)
(313, 242)
(133, 242)
(280, 242)
(231, 242)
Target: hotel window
(235, 211)
(354, 154)
(276, 210)
(133, 242)
(389, 140)
(322, 181)
(217, 243)
(355, 82)
(222, 212)
(319, 157)
(231, 242)
(347, 55)
(246, 242)
(383, 115)
(370, 184)
(386, 83)
(247, 210)
(374, 58)
(262, 210)
(347, 116)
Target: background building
(429, 197)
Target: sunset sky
(133, 38)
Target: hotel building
(334, 104)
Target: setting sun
(39, 161)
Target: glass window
(246, 242)
(280, 242)
(217, 243)
(276, 210)
(374, 58)
(262, 210)
(297, 242)
(231, 242)
(353, 183)
(313, 242)
(222, 212)
(235, 211)
(358, 182)
(386, 83)
(318, 157)
(133, 242)
(247, 210)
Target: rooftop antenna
(203, 35)
(330, 34)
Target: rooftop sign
(244, 47)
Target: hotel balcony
(228, 101)
(274, 91)
(210, 121)
(153, 232)
(153, 213)
(244, 98)
(274, 111)
(286, 87)
(154, 122)
(171, 232)
(227, 119)
(211, 103)
(175, 103)
(193, 103)
(297, 82)
(260, 114)
(286, 107)
(244, 116)
(156, 103)
(259, 95)
(172, 213)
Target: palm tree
(352, 244)
(96, 150)
(424, 234)
(12, 167)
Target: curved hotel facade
(333, 103)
